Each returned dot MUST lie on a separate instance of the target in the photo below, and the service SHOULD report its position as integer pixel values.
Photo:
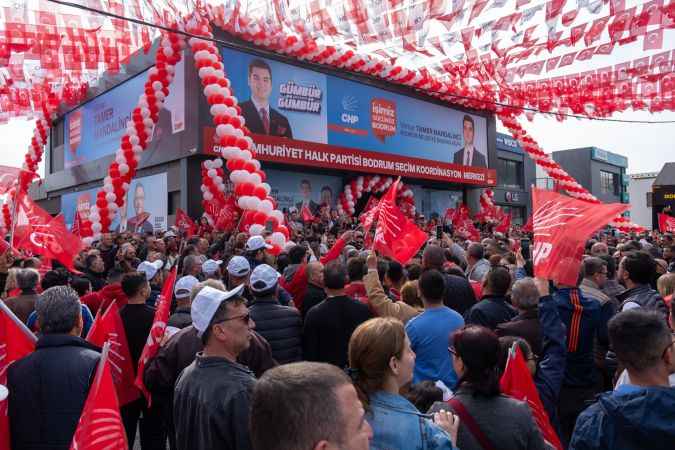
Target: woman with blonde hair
(11, 285)
(380, 363)
(666, 287)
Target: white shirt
(468, 155)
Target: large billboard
(146, 207)
(94, 130)
(295, 189)
(303, 117)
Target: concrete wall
(638, 188)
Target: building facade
(640, 193)
(603, 173)
(323, 129)
(516, 172)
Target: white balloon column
(138, 133)
(236, 146)
(355, 189)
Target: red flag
(38, 233)
(561, 227)
(225, 220)
(108, 327)
(463, 223)
(505, 224)
(367, 218)
(185, 223)
(666, 223)
(8, 177)
(527, 228)
(395, 235)
(306, 214)
(156, 332)
(517, 382)
(100, 426)
(16, 341)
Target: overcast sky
(647, 146)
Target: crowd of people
(329, 346)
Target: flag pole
(15, 210)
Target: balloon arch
(490, 77)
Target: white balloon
(277, 215)
(255, 178)
(208, 196)
(218, 109)
(256, 163)
(204, 188)
(242, 202)
(137, 148)
(110, 197)
(207, 164)
(119, 159)
(267, 187)
(124, 169)
(254, 203)
(96, 227)
(246, 155)
(218, 163)
(108, 187)
(256, 229)
(266, 206)
(212, 173)
(278, 238)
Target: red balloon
(260, 192)
(249, 166)
(260, 218)
(275, 222)
(101, 202)
(263, 175)
(247, 188)
(282, 229)
(275, 250)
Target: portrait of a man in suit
(260, 117)
(140, 222)
(469, 155)
(306, 193)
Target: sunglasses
(246, 318)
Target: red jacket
(103, 298)
(297, 287)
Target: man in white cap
(238, 271)
(212, 395)
(255, 250)
(280, 325)
(211, 269)
(181, 317)
(155, 276)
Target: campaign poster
(440, 201)
(360, 116)
(278, 99)
(295, 189)
(145, 210)
(94, 130)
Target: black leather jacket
(47, 391)
(644, 296)
(211, 405)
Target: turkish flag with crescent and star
(561, 226)
(156, 332)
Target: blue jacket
(551, 368)
(584, 322)
(397, 424)
(632, 417)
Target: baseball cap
(263, 277)
(206, 304)
(150, 269)
(256, 243)
(238, 266)
(210, 266)
(170, 234)
(184, 286)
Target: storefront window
(510, 173)
(609, 183)
(517, 214)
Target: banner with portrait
(295, 189)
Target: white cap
(184, 286)
(256, 243)
(210, 266)
(264, 277)
(150, 269)
(3, 392)
(238, 266)
(206, 304)
(170, 234)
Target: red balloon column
(236, 146)
(139, 132)
(355, 189)
(555, 171)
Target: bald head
(433, 257)
(599, 249)
(315, 273)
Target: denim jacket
(397, 424)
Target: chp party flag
(395, 235)
(156, 332)
(51, 240)
(517, 382)
(185, 223)
(100, 426)
(504, 225)
(108, 327)
(16, 341)
(666, 223)
(463, 224)
(306, 214)
(561, 227)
